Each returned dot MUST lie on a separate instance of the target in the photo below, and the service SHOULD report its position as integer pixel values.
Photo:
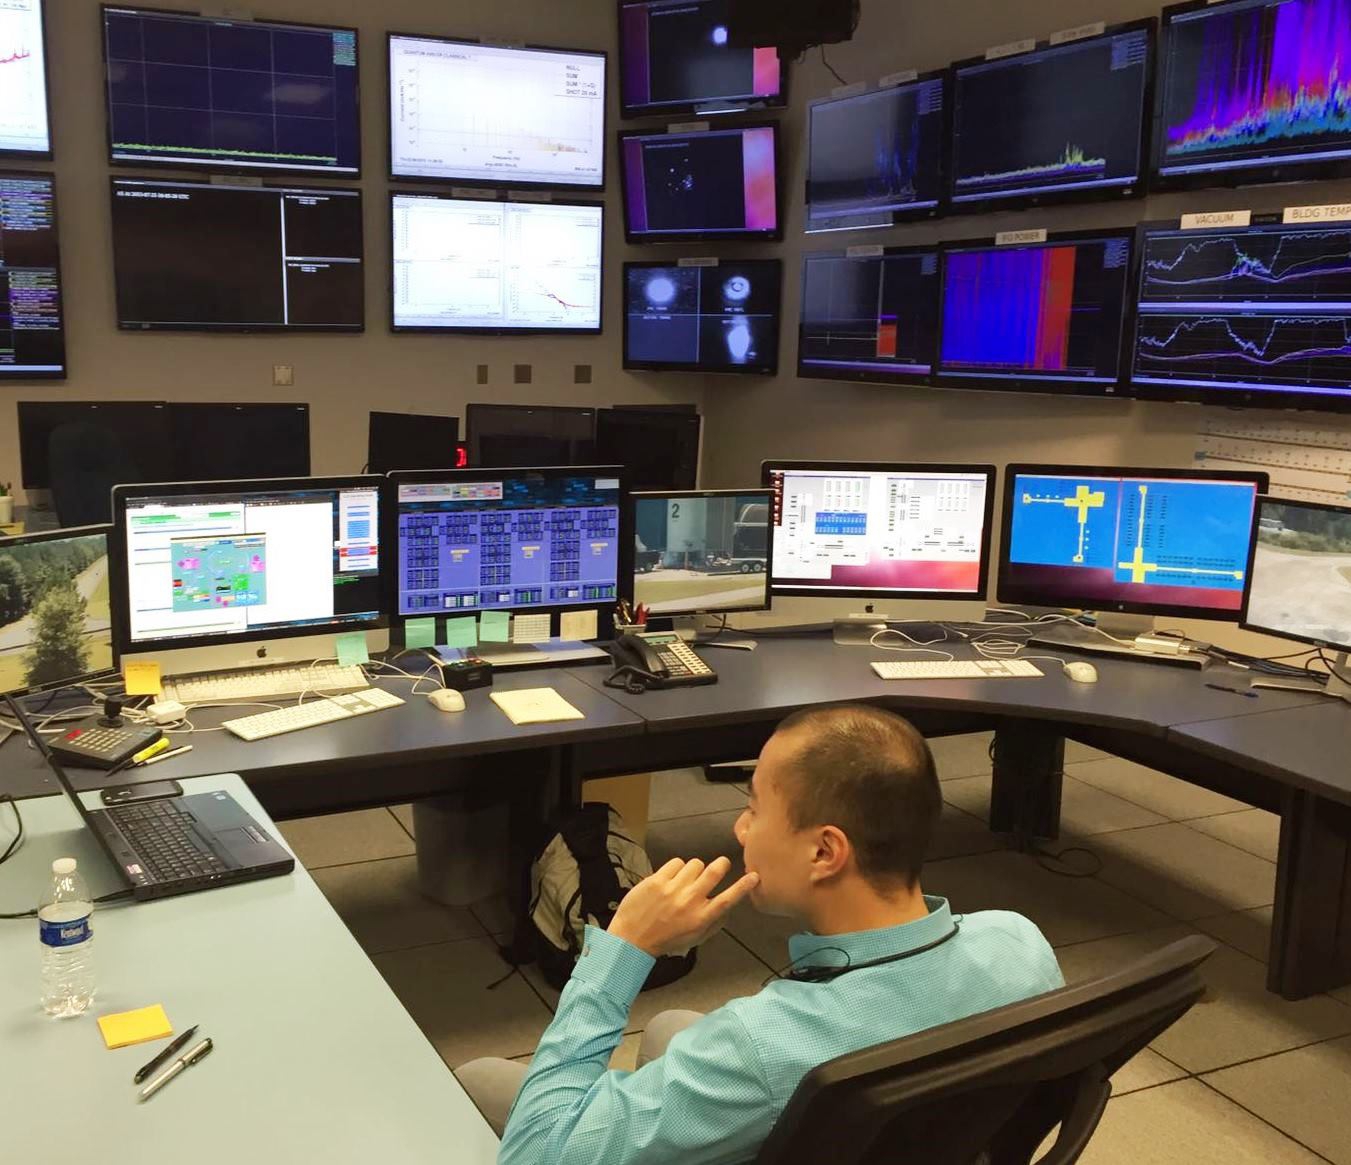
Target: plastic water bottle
(67, 943)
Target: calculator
(102, 748)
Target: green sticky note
(461, 632)
(494, 627)
(419, 633)
(352, 649)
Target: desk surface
(315, 1059)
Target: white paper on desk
(536, 706)
(579, 626)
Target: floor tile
(1147, 1070)
(1343, 994)
(765, 935)
(685, 792)
(961, 756)
(1084, 809)
(383, 908)
(1248, 930)
(340, 838)
(1174, 799)
(1184, 873)
(959, 834)
(707, 837)
(1254, 830)
(444, 988)
(1187, 1122)
(404, 813)
(1074, 752)
(494, 915)
(1303, 1092)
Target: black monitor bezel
(650, 238)
(472, 408)
(1061, 196)
(1044, 386)
(66, 534)
(767, 496)
(768, 367)
(372, 424)
(64, 373)
(670, 419)
(864, 375)
(991, 474)
(217, 165)
(902, 215)
(505, 181)
(118, 564)
(49, 153)
(715, 107)
(1008, 593)
(1244, 621)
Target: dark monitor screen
(226, 442)
(875, 159)
(722, 318)
(505, 436)
(193, 257)
(721, 183)
(1062, 121)
(870, 317)
(676, 56)
(1253, 90)
(1040, 317)
(32, 319)
(1257, 315)
(658, 450)
(25, 118)
(1300, 586)
(204, 91)
(412, 441)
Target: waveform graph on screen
(1293, 350)
(1306, 266)
(23, 95)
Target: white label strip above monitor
(1012, 238)
(1217, 218)
(1012, 49)
(700, 262)
(1337, 212)
(904, 77)
(1083, 32)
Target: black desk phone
(659, 659)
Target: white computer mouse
(448, 700)
(1082, 673)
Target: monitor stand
(1337, 688)
(550, 653)
(705, 630)
(1137, 635)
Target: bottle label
(65, 934)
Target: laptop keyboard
(161, 834)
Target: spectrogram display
(1256, 83)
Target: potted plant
(6, 503)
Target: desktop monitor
(32, 319)
(710, 184)
(496, 115)
(237, 574)
(502, 268)
(190, 256)
(1253, 91)
(1255, 316)
(722, 317)
(1062, 122)
(413, 441)
(503, 436)
(676, 57)
(876, 159)
(25, 105)
(55, 619)
(209, 92)
(1035, 317)
(697, 553)
(658, 450)
(226, 442)
(870, 317)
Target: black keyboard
(161, 834)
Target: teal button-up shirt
(722, 1083)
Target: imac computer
(223, 576)
(1129, 544)
(1299, 585)
(881, 541)
(521, 566)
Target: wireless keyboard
(264, 683)
(329, 711)
(965, 669)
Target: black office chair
(990, 1088)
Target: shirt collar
(862, 946)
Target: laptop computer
(178, 845)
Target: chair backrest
(995, 1084)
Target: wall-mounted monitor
(1253, 91)
(25, 113)
(32, 320)
(876, 159)
(196, 91)
(721, 318)
(870, 317)
(1062, 122)
(1035, 317)
(465, 265)
(479, 114)
(718, 184)
(188, 256)
(676, 56)
(1257, 315)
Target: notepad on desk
(536, 706)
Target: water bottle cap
(63, 866)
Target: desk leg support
(1029, 770)
(532, 800)
(1311, 926)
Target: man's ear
(833, 854)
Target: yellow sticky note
(141, 679)
(135, 1027)
(579, 626)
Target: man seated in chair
(843, 806)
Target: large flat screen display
(25, 119)
(32, 321)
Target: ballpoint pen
(197, 1054)
(172, 1050)
(1236, 691)
(179, 751)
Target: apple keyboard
(327, 711)
(962, 669)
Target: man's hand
(671, 910)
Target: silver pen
(187, 1060)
